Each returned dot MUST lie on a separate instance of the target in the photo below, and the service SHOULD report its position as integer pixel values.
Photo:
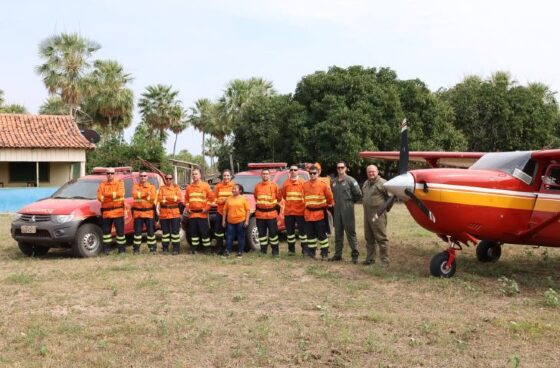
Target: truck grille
(35, 218)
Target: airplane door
(547, 207)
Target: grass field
(205, 311)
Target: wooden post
(37, 174)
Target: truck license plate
(28, 229)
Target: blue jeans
(235, 231)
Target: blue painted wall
(12, 199)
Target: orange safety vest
(317, 197)
(145, 198)
(221, 192)
(111, 196)
(198, 198)
(169, 197)
(292, 191)
(267, 197)
(236, 209)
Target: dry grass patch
(166, 311)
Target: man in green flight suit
(346, 192)
(375, 232)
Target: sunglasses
(110, 173)
(143, 176)
(293, 169)
(312, 173)
(340, 167)
(168, 178)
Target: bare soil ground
(206, 311)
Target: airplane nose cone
(398, 184)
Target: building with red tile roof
(40, 150)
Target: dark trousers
(139, 224)
(317, 236)
(107, 224)
(199, 230)
(170, 231)
(293, 223)
(268, 233)
(219, 231)
(235, 231)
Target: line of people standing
(305, 212)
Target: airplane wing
(434, 159)
(551, 154)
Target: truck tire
(32, 250)
(252, 236)
(88, 241)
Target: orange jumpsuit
(294, 207)
(145, 198)
(317, 196)
(267, 197)
(198, 198)
(169, 197)
(222, 191)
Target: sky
(199, 46)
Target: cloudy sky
(198, 46)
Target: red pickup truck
(70, 218)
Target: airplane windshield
(518, 164)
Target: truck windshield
(78, 189)
(248, 182)
(518, 164)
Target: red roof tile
(40, 131)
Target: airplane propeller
(404, 179)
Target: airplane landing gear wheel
(439, 266)
(488, 251)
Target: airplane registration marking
(488, 197)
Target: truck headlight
(62, 219)
(16, 217)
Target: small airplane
(486, 200)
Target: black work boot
(264, 249)
(106, 249)
(355, 255)
(291, 248)
(324, 254)
(152, 249)
(122, 249)
(311, 252)
(165, 248)
(303, 249)
(135, 249)
(220, 246)
(275, 250)
(176, 248)
(335, 258)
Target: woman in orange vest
(317, 197)
(222, 191)
(236, 212)
(198, 199)
(267, 198)
(145, 198)
(169, 199)
(111, 195)
(294, 207)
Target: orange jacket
(326, 180)
(169, 197)
(145, 197)
(198, 199)
(221, 192)
(236, 209)
(292, 191)
(317, 196)
(267, 196)
(111, 196)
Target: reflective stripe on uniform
(312, 243)
(274, 240)
(324, 243)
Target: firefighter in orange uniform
(317, 197)
(222, 191)
(326, 180)
(170, 199)
(145, 198)
(111, 195)
(267, 198)
(294, 208)
(198, 199)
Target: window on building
(22, 172)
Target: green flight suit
(345, 192)
(374, 195)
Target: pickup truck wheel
(252, 235)
(88, 241)
(32, 250)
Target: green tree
(176, 129)
(54, 106)
(66, 63)
(110, 102)
(160, 108)
(203, 118)
(12, 108)
(497, 114)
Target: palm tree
(160, 108)
(202, 117)
(110, 100)
(177, 128)
(66, 63)
(1, 98)
(54, 106)
(13, 109)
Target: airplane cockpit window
(552, 179)
(518, 164)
